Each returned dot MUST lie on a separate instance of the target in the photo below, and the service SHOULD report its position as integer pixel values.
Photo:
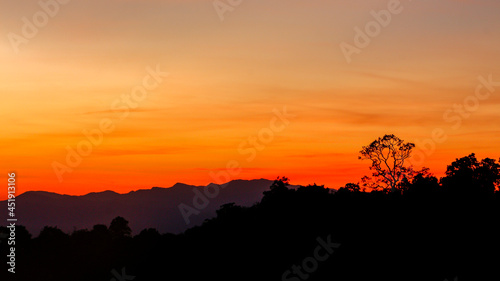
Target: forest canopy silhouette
(397, 224)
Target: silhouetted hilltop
(104, 195)
(418, 228)
(156, 207)
(428, 229)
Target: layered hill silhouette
(422, 228)
(156, 207)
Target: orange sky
(226, 78)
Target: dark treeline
(425, 229)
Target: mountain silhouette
(421, 228)
(156, 207)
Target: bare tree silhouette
(388, 155)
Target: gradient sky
(225, 79)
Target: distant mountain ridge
(156, 207)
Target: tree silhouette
(52, 234)
(278, 191)
(388, 155)
(422, 184)
(228, 210)
(148, 236)
(279, 186)
(469, 176)
(119, 227)
(489, 175)
(349, 188)
(100, 229)
(280, 183)
(313, 189)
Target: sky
(240, 89)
